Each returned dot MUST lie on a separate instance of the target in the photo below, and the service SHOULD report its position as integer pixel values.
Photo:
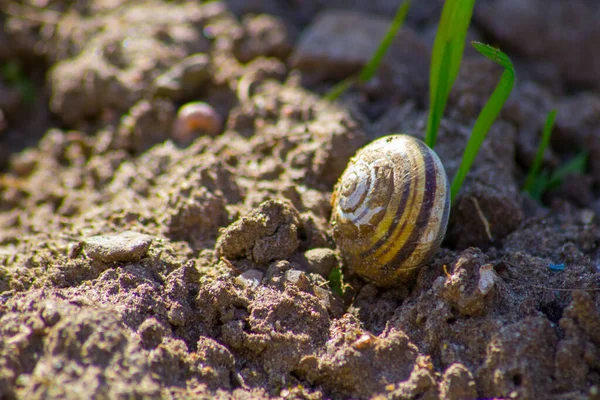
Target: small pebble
(365, 341)
(250, 278)
(321, 261)
(50, 313)
(487, 277)
(324, 296)
(195, 119)
(298, 279)
(125, 246)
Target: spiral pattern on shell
(390, 209)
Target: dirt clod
(184, 78)
(519, 359)
(458, 383)
(468, 286)
(266, 234)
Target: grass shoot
(546, 181)
(534, 172)
(487, 116)
(538, 181)
(370, 69)
(336, 281)
(445, 60)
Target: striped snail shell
(390, 209)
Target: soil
(146, 256)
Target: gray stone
(320, 261)
(125, 246)
(565, 35)
(250, 278)
(342, 39)
(298, 279)
(340, 43)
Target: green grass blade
(494, 54)
(446, 57)
(370, 69)
(538, 186)
(340, 88)
(539, 156)
(488, 115)
(436, 110)
(336, 281)
(575, 166)
(545, 181)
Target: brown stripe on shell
(424, 214)
(401, 207)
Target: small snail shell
(196, 118)
(390, 209)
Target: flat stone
(569, 47)
(125, 246)
(343, 39)
(341, 42)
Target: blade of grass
(487, 116)
(370, 69)
(574, 166)
(546, 181)
(445, 60)
(539, 156)
(336, 281)
(436, 110)
(538, 186)
(340, 88)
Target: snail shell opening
(390, 209)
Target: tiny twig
(445, 267)
(230, 265)
(486, 224)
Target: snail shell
(390, 209)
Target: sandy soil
(146, 256)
